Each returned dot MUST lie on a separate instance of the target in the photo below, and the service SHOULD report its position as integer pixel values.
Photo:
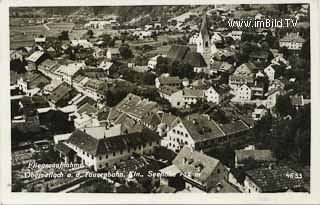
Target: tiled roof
(201, 129)
(234, 127)
(275, 179)
(103, 146)
(35, 56)
(195, 59)
(60, 92)
(88, 109)
(188, 92)
(168, 90)
(177, 52)
(61, 147)
(169, 80)
(136, 106)
(292, 37)
(257, 155)
(187, 161)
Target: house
(35, 59)
(113, 53)
(48, 68)
(259, 57)
(259, 112)
(192, 96)
(96, 147)
(94, 89)
(32, 82)
(197, 169)
(273, 179)
(16, 55)
(68, 70)
(243, 93)
(270, 72)
(81, 43)
(221, 67)
(61, 95)
(263, 156)
(272, 96)
(197, 132)
(152, 63)
(169, 81)
(279, 59)
(297, 101)
(136, 107)
(235, 35)
(293, 41)
(107, 66)
(193, 40)
(244, 74)
(173, 95)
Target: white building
(292, 41)
(236, 35)
(243, 93)
(270, 72)
(212, 95)
(101, 148)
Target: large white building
(100, 148)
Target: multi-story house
(100, 149)
(292, 41)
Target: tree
(64, 35)
(149, 78)
(185, 70)
(283, 105)
(125, 52)
(90, 33)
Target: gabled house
(270, 72)
(35, 59)
(197, 170)
(100, 149)
(169, 81)
(273, 179)
(293, 41)
(263, 156)
(244, 74)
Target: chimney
(84, 130)
(270, 166)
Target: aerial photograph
(160, 99)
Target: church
(205, 46)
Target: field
(24, 34)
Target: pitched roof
(234, 127)
(169, 80)
(292, 37)
(195, 59)
(60, 92)
(275, 179)
(61, 147)
(34, 57)
(188, 161)
(189, 92)
(168, 90)
(257, 155)
(136, 106)
(177, 52)
(201, 129)
(102, 146)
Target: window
(100, 166)
(218, 171)
(107, 164)
(129, 150)
(207, 44)
(114, 154)
(92, 157)
(100, 158)
(150, 143)
(107, 156)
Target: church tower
(204, 45)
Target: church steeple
(204, 26)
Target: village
(172, 103)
